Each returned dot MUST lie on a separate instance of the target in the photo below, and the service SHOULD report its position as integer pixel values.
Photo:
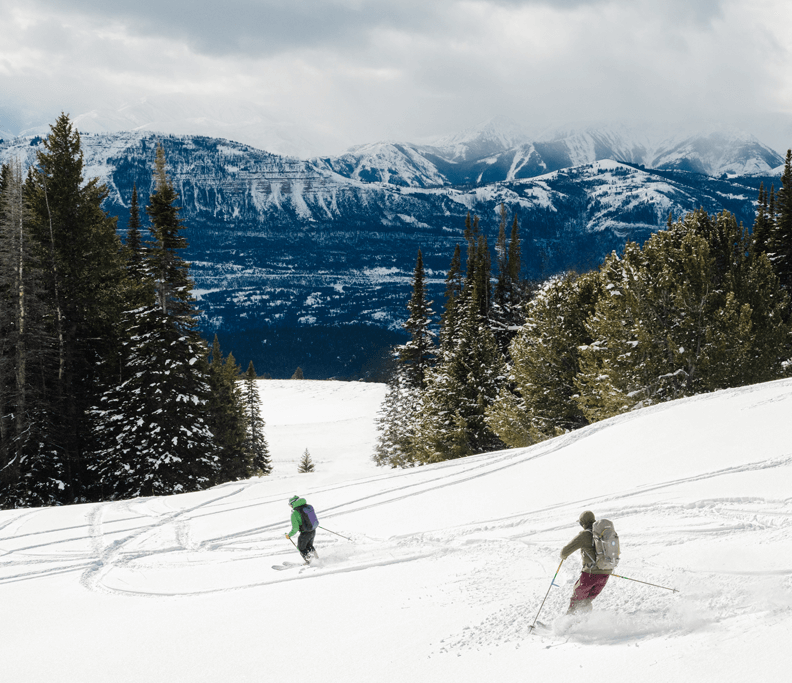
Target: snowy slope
(447, 566)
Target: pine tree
(226, 417)
(779, 240)
(256, 441)
(545, 357)
(306, 464)
(83, 278)
(453, 294)
(761, 227)
(32, 469)
(678, 317)
(396, 421)
(152, 429)
(451, 418)
(419, 352)
(511, 293)
(298, 374)
(138, 270)
(397, 415)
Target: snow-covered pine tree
(779, 239)
(395, 421)
(761, 227)
(255, 439)
(676, 318)
(226, 417)
(32, 466)
(451, 416)
(511, 293)
(83, 280)
(140, 283)
(306, 464)
(453, 293)
(545, 363)
(419, 353)
(152, 429)
(415, 358)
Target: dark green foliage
(418, 354)
(255, 440)
(779, 240)
(545, 356)
(83, 286)
(33, 468)
(692, 311)
(450, 422)
(152, 431)
(226, 417)
(415, 358)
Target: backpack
(309, 519)
(606, 545)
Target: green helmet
(293, 500)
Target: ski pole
(552, 583)
(673, 590)
(333, 532)
(296, 548)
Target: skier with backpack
(304, 520)
(599, 548)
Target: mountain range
(308, 261)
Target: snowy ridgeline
(447, 564)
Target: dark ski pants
(305, 542)
(588, 587)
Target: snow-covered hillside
(446, 566)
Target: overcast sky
(344, 72)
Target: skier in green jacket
(303, 519)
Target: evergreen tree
(152, 429)
(395, 421)
(761, 227)
(255, 440)
(32, 468)
(779, 240)
(451, 418)
(453, 294)
(83, 284)
(419, 353)
(506, 313)
(138, 270)
(298, 374)
(226, 417)
(676, 318)
(545, 357)
(306, 464)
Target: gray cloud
(353, 71)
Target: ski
(288, 565)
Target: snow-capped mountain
(489, 137)
(495, 152)
(318, 264)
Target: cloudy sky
(339, 72)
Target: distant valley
(308, 262)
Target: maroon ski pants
(588, 587)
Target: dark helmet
(293, 500)
(586, 519)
